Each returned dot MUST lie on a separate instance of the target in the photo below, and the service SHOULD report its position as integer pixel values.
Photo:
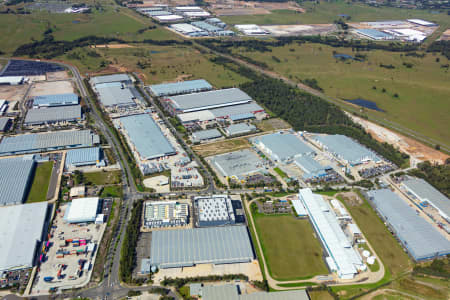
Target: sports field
(39, 187)
(413, 91)
(290, 248)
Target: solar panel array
(29, 68)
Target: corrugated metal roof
(283, 146)
(240, 128)
(4, 123)
(34, 142)
(187, 247)
(238, 163)
(196, 116)
(206, 134)
(182, 87)
(82, 210)
(236, 109)
(53, 114)
(110, 78)
(230, 292)
(147, 138)
(243, 116)
(15, 179)
(375, 34)
(21, 227)
(220, 292)
(419, 236)
(209, 100)
(426, 192)
(56, 100)
(115, 95)
(310, 166)
(206, 26)
(284, 295)
(82, 156)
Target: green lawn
(280, 172)
(102, 178)
(290, 247)
(112, 191)
(39, 187)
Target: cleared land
(272, 124)
(290, 247)
(221, 147)
(102, 178)
(41, 180)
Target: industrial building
(84, 157)
(146, 137)
(341, 258)
(346, 149)
(50, 141)
(50, 115)
(421, 239)
(165, 214)
(5, 124)
(207, 100)
(189, 30)
(375, 34)
(181, 87)
(310, 167)
(21, 231)
(232, 292)
(115, 94)
(55, 100)
(15, 179)
(216, 210)
(282, 147)
(121, 78)
(82, 210)
(427, 194)
(238, 164)
(299, 208)
(205, 135)
(211, 245)
(251, 29)
(421, 22)
(12, 80)
(168, 18)
(238, 129)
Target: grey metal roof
(53, 114)
(284, 295)
(310, 166)
(15, 179)
(240, 128)
(110, 78)
(205, 26)
(147, 138)
(238, 163)
(206, 134)
(283, 146)
(210, 99)
(220, 292)
(426, 192)
(83, 156)
(21, 227)
(420, 237)
(346, 148)
(115, 95)
(230, 292)
(229, 111)
(188, 247)
(373, 33)
(3, 123)
(56, 100)
(28, 143)
(182, 87)
(243, 116)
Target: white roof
(413, 35)
(354, 228)
(299, 208)
(185, 28)
(168, 17)
(21, 226)
(188, 8)
(11, 79)
(200, 116)
(421, 22)
(197, 14)
(82, 210)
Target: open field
(415, 97)
(39, 187)
(102, 178)
(272, 124)
(320, 295)
(221, 147)
(290, 247)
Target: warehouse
(165, 214)
(342, 258)
(238, 164)
(375, 34)
(310, 167)
(251, 29)
(35, 142)
(425, 192)
(115, 94)
(421, 239)
(205, 135)
(21, 231)
(52, 115)
(84, 157)
(15, 179)
(211, 245)
(121, 78)
(207, 27)
(421, 22)
(238, 129)
(188, 29)
(409, 34)
(12, 80)
(282, 147)
(216, 210)
(55, 100)
(196, 14)
(168, 19)
(146, 137)
(233, 292)
(82, 210)
(5, 124)
(197, 117)
(181, 87)
(346, 149)
(208, 100)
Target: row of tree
(436, 175)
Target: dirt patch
(222, 147)
(445, 36)
(113, 46)
(57, 75)
(239, 8)
(49, 88)
(351, 198)
(273, 124)
(288, 30)
(111, 69)
(13, 92)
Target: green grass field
(422, 103)
(41, 180)
(112, 191)
(289, 246)
(102, 178)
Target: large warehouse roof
(56, 100)
(422, 240)
(211, 99)
(110, 78)
(208, 134)
(347, 149)
(182, 87)
(238, 163)
(225, 112)
(82, 210)
(282, 146)
(240, 128)
(231, 292)
(426, 192)
(15, 179)
(115, 95)
(83, 156)
(53, 114)
(210, 245)
(21, 227)
(310, 166)
(35, 142)
(146, 136)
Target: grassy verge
(41, 181)
(280, 172)
(300, 284)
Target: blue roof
(283, 146)
(56, 100)
(15, 178)
(146, 136)
(84, 155)
(242, 116)
(182, 87)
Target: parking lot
(68, 264)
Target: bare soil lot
(13, 93)
(239, 8)
(49, 88)
(314, 29)
(273, 124)
(57, 75)
(222, 147)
